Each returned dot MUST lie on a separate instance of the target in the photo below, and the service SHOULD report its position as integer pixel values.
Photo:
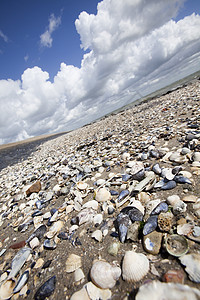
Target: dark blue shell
(46, 289)
(123, 194)
(133, 213)
(122, 224)
(150, 225)
(114, 193)
(126, 177)
(161, 207)
(171, 184)
(182, 179)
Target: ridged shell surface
(73, 263)
(104, 275)
(192, 263)
(135, 266)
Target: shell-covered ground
(91, 193)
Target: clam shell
(157, 290)
(192, 263)
(82, 185)
(104, 275)
(6, 289)
(73, 263)
(135, 266)
(96, 293)
(54, 229)
(176, 245)
(81, 294)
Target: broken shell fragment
(103, 195)
(46, 289)
(192, 264)
(18, 261)
(104, 275)
(6, 289)
(134, 266)
(72, 263)
(176, 245)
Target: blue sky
(64, 63)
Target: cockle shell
(157, 290)
(6, 289)
(135, 266)
(192, 263)
(73, 263)
(104, 275)
(103, 195)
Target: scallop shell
(157, 290)
(135, 266)
(73, 263)
(192, 263)
(103, 195)
(104, 275)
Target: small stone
(113, 248)
(152, 242)
(34, 243)
(133, 231)
(35, 188)
(176, 276)
(18, 245)
(190, 198)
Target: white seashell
(184, 229)
(80, 295)
(189, 198)
(196, 208)
(69, 209)
(97, 235)
(179, 207)
(98, 219)
(137, 204)
(54, 229)
(82, 185)
(185, 174)
(104, 275)
(167, 173)
(73, 263)
(125, 156)
(151, 205)
(6, 289)
(91, 204)
(173, 199)
(37, 221)
(135, 266)
(39, 263)
(196, 156)
(34, 243)
(86, 216)
(96, 293)
(157, 290)
(79, 276)
(103, 195)
(192, 263)
(100, 182)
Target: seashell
(73, 262)
(79, 276)
(134, 266)
(21, 282)
(133, 231)
(184, 229)
(161, 207)
(171, 184)
(49, 244)
(96, 293)
(151, 205)
(157, 290)
(97, 235)
(182, 179)
(82, 185)
(177, 158)
(39, 263)
(98, 219)
(192, 264)
(123, 194)
(139, 175)
(133, 213)
(126, 177)
(196, 208)
(123, 222)
(196, 156)
(54, 229)
(179, 207)
(34, 243)
(102, 195)
(46, 289)
(81, 294)
(167, 174)
(173, 199)
(113, 248)
(86, 216)
(143, 197)
(91, 204)
(137, 204)
(6, 289)
(150, 224)
(160, 184)
(18, 261)
(104, 275)
(156, 169)
(37, 221)
(135, 166)
(176, 245)
(147, 180)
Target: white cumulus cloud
(46, 39)
(133, 48)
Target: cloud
(134, 48)
(26, 57)
(3, 36)
(46, 39)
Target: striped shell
(135, 266)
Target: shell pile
(108, 209)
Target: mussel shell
(46, 289)
(171, 184)
(182, 179)
(123, 194)
(139, 175)
(21, 282)
(150, 224)
(49, 244)
(157, 169)
(161, 207)
(122, 224)
(134, 213)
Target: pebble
(152, 242)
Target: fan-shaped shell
(135, 266)
(192, 263)
(104, 275)
(103, 195)
(73, 263)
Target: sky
(65, 63)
